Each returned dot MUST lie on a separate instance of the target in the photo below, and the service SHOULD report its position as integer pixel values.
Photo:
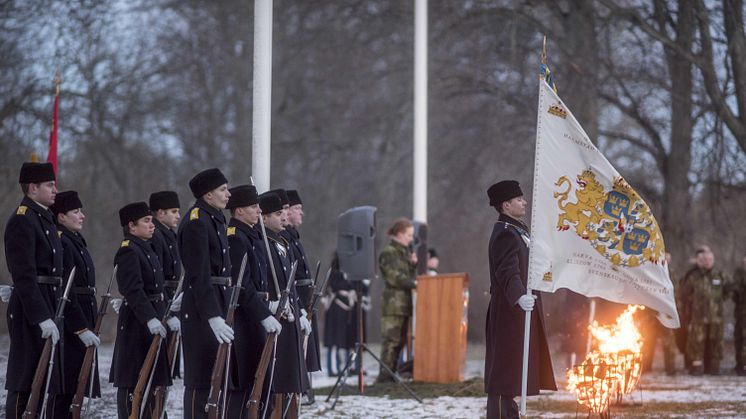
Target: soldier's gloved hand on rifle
(89, 338)
(116, 304)
(305, 324)
(174, 324)
(5, 292)
(223, 332)
(365, 302)
(271, 325)
(176, 305)
(526, 302)
(49, 329)
(286, 313)
(156, 328)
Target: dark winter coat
(252, 307)
(203, 246)
(140, 281)
(339, 321)
(33, 249)
(166, 247)
(305, 294)
(75, 254)
(508, 257)
(290, 370)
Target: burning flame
(611, 370)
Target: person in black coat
(33, 252)
(203, 246)
(166, 216)
(508, 257)
(140, 281)
(253, 318)
(340, 325)
(68, 211)
(305, 283)
(290, 374)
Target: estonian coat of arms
(618, 223)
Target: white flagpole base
(524, 378)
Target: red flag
(52, 156)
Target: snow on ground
(683, 390)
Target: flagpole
(527, 322)
(262, 88)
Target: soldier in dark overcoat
(68, 211)
(305, 284)
(33, 252)
(253, 318)
(508, 261)
(140, 281)
(165, 207)
(290, 374)
(203, 246)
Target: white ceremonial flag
(590, 231)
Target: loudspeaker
(356, 241)
(419, 246)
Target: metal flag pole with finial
(527, 323)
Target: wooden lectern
(440, 328)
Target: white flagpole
(591, 318)
(419, 192)
(527, 322)
(262, 113)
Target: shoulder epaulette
(231, 231)
(59, 233)
(21, 210)
(194, 214)
(125, 243)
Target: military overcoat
(508, 263)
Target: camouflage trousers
(393, 338)
(705, 344)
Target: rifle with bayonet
(219, 376)
(88, 359)
(318, 292)
(46, 361)
(269, 353)
(147, 371)
(161, 392)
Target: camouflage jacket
(703, 294)
(737, 291)
(399, 276)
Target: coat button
(46, 231)
(186, 316)
(54, 269)
(223, 269)
(148, 256)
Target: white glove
(223, 332)
(273, 306)
(527, 302)
(156, 327)
(116, 304)
(176, 305)
(174, 324)
(288, 314)
(305, 324)
(271, 325)
(49, 329)
(365, 302)
(5, 291)
(89, 338)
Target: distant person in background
(397, 265)
(738, 293)
(703, 293)
(508, 259)
(340, 320)
(432, 261)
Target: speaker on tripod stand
(356, 234)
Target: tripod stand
(358, 353)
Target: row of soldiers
(159, 255)
(701, 294)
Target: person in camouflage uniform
(738, 293)
(704, 292)
(397, 266)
